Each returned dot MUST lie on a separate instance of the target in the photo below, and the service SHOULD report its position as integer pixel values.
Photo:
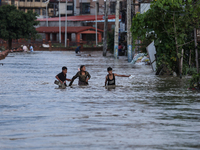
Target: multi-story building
(39, 6)
(88, 7)
(74, 7)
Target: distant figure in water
(110, 78)
(25, 48)
(31, 48)
(62, 77)
(77, 50)
(83, 75)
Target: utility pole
(196, 50)
(116, 30)
(74, 7)
(96, 21)
(47, 2)
(105, 27)
(66, 26)
(129, 36)
(46, 15)
(59, 24)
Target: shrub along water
(171, 24)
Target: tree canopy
(172, 23)
(16, 24)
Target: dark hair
(63, 68)
(109, 69)
(81, 67)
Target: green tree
(16, 24)
(172, 22)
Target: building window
(112, 7)
(29, 0)
(43, 12)
(121, 6)
(97, 6)
(22, 0)
(37, 10)
(37, 0)
(85, 8)
(70, 7)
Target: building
(85, 33)
(78, 27)
(74, 7)
(82, 7)
(54, 6)
(88, 7)
(40, 6)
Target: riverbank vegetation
(16, 24)
(170, 24)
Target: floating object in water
(132, 76)
(62, 86)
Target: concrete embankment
(3, 54)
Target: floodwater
(146, 112)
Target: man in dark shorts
(62, 77)
(110, 78)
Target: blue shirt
(31, 48)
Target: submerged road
(146, 112)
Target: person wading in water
(62, 77)
(83, 75)
(110, 78)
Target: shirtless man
(110, 78)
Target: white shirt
(25, 48)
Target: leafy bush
(189, 71)
(194, 82)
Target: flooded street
(145, 112)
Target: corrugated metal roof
(79, 18)
(69, 29)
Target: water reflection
(146, 112)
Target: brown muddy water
(144, 113)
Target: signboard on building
(198, 35)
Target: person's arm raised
(122, 75)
